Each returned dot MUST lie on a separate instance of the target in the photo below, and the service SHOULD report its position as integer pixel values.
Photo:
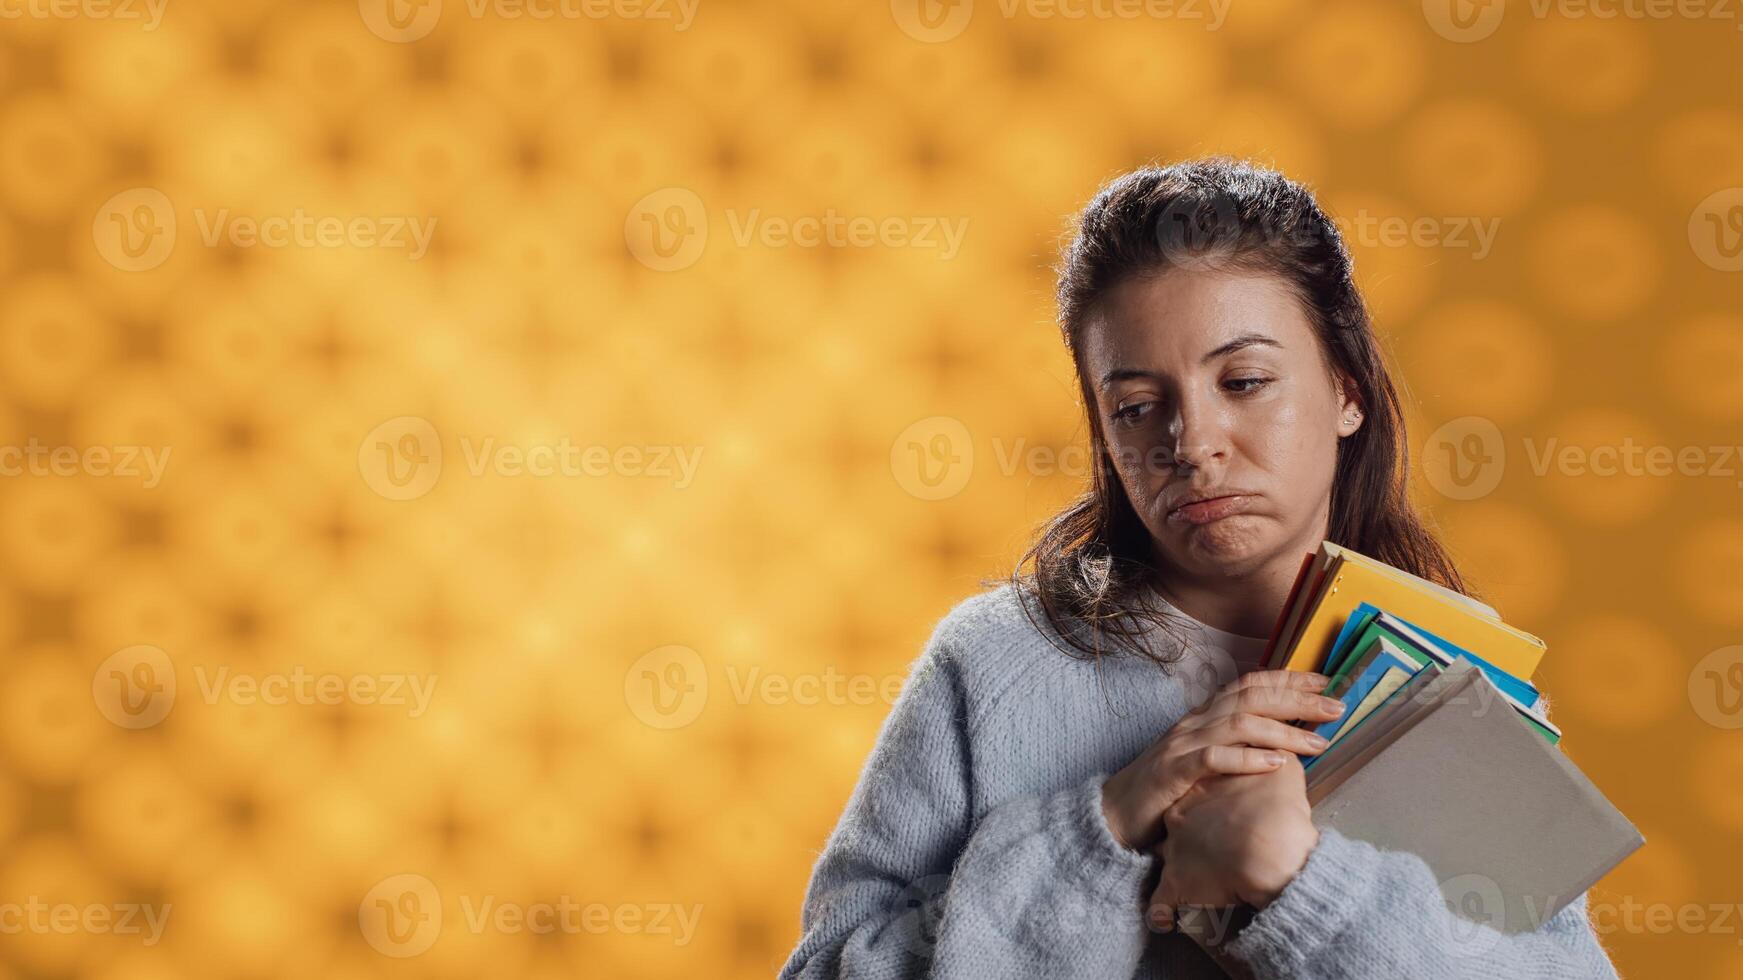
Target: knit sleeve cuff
(1317, 904)
(1103, 866)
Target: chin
(1231, 546)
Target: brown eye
(1243, 386)
(1131, 413)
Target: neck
(1245, 602)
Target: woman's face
(1212, 384)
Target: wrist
(1111, 815)
(1291, 857)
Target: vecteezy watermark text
(405, 21)
(1477, 235)
(566, 458)
(1468, 21)
(304, 687)
(148, 12)
(667, 687)
(937, 21)
(124, 462)
(402, 459)
(38, 917)
(302, 230)
(136, 687)
(403, 915)
(136, 230)
(1662, 918)
(568, 917)
(667, 230)
(834, 230)
(1466, 458)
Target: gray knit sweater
(974, 845)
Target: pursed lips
(1216, 508)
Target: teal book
(1415, 650)
(1521, 691)
(1357, 632)
(1383, 662)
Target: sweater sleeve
(910, 884)
(1358, 911)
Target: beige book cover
(1513, 830)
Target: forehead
(1182, 314)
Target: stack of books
(1444, 748)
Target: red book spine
(1294, 590)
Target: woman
(1089, 747)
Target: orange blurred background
(475, 472)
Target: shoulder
(991, 638)
(1002, 617)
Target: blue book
(1513, 687)
(1360, 682)
(1370, 687)
(1347, 640)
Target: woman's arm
(1355, 912)
(909, 885)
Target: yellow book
(1338, 550)
(1328, 555)
(1352, 583)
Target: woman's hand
(1243, 728)
(1234, 840)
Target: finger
(1235, 760)
(1285, 704)
(1261, 732)
(1194, 767)
(1184, 796)
(1163, 902)
(1178, 813)
(1261, 687)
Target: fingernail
(1332, 704)
(1317, 741)
(1278, 758)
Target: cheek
(1136, 461)
(1298, 454)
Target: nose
(1197, 433)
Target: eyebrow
(1243, 341)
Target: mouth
(1199, 512)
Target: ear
(1351, 412)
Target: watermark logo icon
(932, 21)
(1716, 230)
(401, 459)
(667, 229)
(1481, 912)
(1199, 231)
(667, 687)
(135, 231)
(135, 687)
(1464, 21)
(933, 458)
(400, 21)
(1716, 688)
(1465, 458)
(922, 914)
(401, 916)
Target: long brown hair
(1091, 564)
